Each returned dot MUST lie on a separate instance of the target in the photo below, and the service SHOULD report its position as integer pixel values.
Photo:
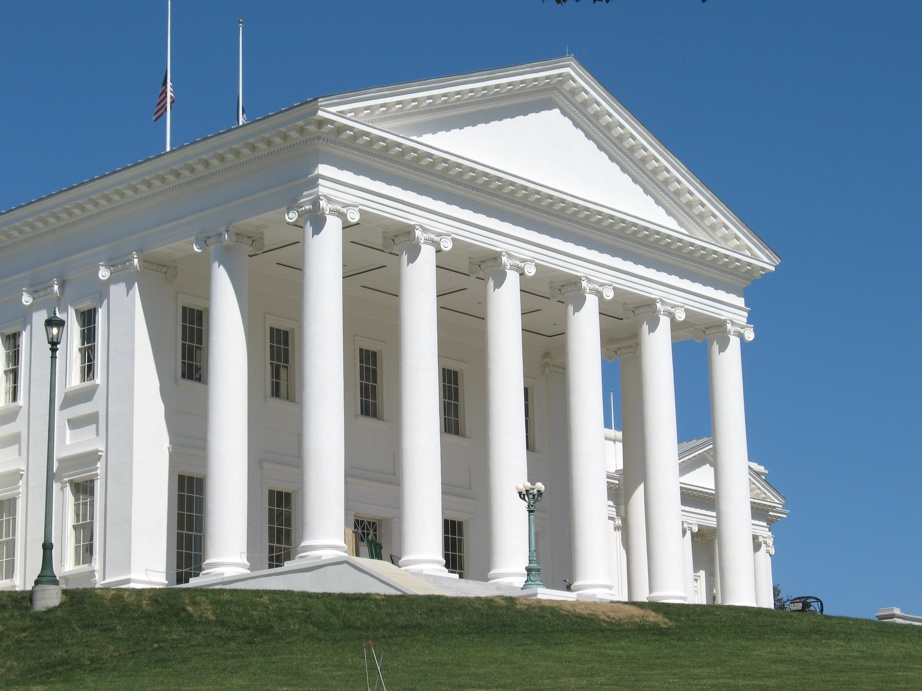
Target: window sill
(82, 387)
(281, 402)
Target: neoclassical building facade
(364, 320)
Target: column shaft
(588, 485)
(225, 548)
(661, 489)
(634, 473)
(420, 422)
(731, 471)
(322, 410)
(506, 442)
(765, 589)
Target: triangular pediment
(538, 140)
(553, 125)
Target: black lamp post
(46, 593)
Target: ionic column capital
(322, 204)
(613, 351)
(583, 285)
(728, 327)
(502, 261)
(659, 308)
(551, 367)
(136, 263)
(765, 541)
(689, 527)
(227, 237)
(30, 295)
(417, 235)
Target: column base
(591, 587)
(320, 549)
(513, 577)
(678, 597)
(45, 597)
(426, 565)
(224, 567)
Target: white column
(507, 457)
(588, 483)
(688, 531)
(634, 471)
(323, 491)
(764, 549)
(731, 464)
(226, 451)
(662, 500)
(420, 422)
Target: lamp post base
(45, 597)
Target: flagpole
(169, 76)
(240, 79)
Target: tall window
(453, 546)
(280, 520)
(451, 402)
(7, 538)
(529, 421)
(190, 527)
(83, 500)
(11, 364)
(280, 363)
(192, 344)
(86, 344)
(369, 388)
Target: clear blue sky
(803, 117)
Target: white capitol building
(364, 320)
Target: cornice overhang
(312, 123)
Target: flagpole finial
(241, 22)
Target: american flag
(160, 110)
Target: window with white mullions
(452, 421)
(86, 344)
(280, 527)
(83, 495)
(280, 363)
(192, 344)
(7, 538)
(190, 527)
(11, 342)
(453, 546)
(369, 388)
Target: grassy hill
(225, 639)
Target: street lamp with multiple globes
(46, 593)
(531, 495)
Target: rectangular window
(280, 363)
(192, 344)
(369, 388)
(190, 527)
(451, 402)
(453, 546)
(86, 344)
(529, 421)
(280, 521)
(7, 538)
(11, 364)
(83, 498)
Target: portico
(388, 311)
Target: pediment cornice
(346, 126)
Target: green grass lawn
(218, 639)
